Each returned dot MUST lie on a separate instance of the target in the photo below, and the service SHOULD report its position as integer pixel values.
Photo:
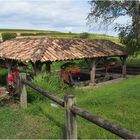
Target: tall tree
(106, 11)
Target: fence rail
(71, 110)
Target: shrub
(84, 35)
(51, 83)
(8, 36)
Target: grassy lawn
(119, 103)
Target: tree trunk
(123, 59)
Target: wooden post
(93, 72)
(123, 59)
(9, 66)
(70, 117)
(23, 92)
(9, 69)
(48, 67)
(37, 66)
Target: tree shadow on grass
(56, 122)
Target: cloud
(45, 13)
(60, 15)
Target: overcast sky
(58, 15)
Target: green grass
(118, 103)
(3, 74)
(26, 32)
(104, 36)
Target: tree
(8, 36)
(84, 35)
(108, 10)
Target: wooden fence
(71, 111)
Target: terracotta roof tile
(53, 49)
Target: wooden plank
(70, 117)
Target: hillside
(25, 32)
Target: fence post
(23, 92)
(70, 117)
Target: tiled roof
(56, 49)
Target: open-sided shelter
(47, 50)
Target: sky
(54, 15)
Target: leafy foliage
(84, 35)
(8, 36)
(51, 83)
(3, 75)
(107, 11)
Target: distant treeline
(49, 33)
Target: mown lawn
(119, 103)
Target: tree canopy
(107, 11)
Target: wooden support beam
(48, 66)
(37, 66)
(70, 117)
(9, 66)
(23, 92)
(123, 59)
(93, 71)
(9, 70)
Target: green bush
(49, 82)
(3, 77)
(84, 35)
(8, 36)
